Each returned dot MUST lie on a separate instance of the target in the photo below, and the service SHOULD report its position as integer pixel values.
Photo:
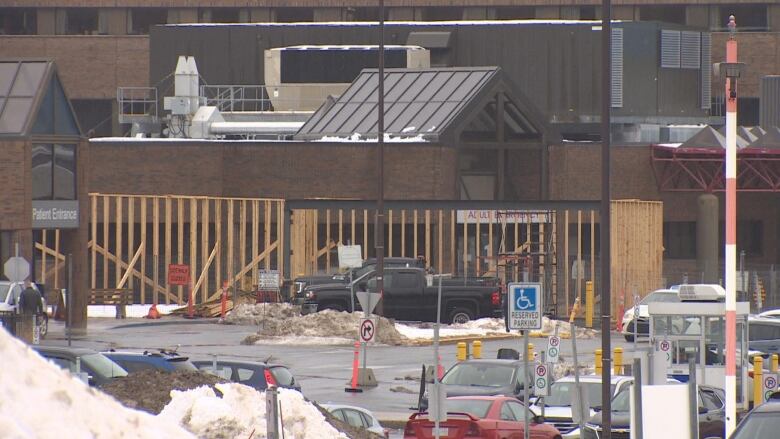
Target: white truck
(9, 302)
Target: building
(101, 45)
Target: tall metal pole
(606, 88)
(731, 237)
(379, 229)
(436, 356)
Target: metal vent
(769, 109)
(617, 68)
(690, 50)
(706, 71)
(670, 49)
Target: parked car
(357, 417)
(639, 316)
(488, 417)
(712, 416)
(300, 283)
(772, 314)
(163, 360)
(763, 422)
(408, 296)
(9, 302)
(764, 334)
(99, 368)
(251, 373)
(558, 405)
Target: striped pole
(731, 238)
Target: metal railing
(137, 104)
(232, 98)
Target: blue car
(164, 361)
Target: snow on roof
(399, 23)
(347, 47)
(179, 140)
(358, 138)
(40, 400)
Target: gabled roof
(707, 138)
(769, 140)
(421, 103)
(33, 102)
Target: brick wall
(16, 192)
(91, 67)
(288, 170)
(760, 51)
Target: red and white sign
(367, 330)
(178, 274)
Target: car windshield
(562, 394)
(4, 291)
(103, 366)
(479, 374)
(622, 401)
(475, 407)
(759, 426)
(658, 296)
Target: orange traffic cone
(153, 313)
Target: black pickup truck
(300, 283)
(408, 296)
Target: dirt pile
(150, 390)
(257, 314)
(327, 323)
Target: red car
(488, 417)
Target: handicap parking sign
(525, 305)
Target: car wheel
(333, 306)
(461, 316)
(43, 326)
(629, 338)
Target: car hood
(327, 286)
(456, 390)
(619, 419)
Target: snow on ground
(240, 412)
(485, 328)
(133, 311)
(40, 400)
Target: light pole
(731, 69)
(379, 227)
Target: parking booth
(695, 327)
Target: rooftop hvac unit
(299, 78)
(769, 106)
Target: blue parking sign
(524, 305)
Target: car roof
(768, 407)
(239, 363)
(485, 397)
(496, 361)
(145, 354)
(762, 319)
(345, 406)
(64, 350)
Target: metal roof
(32, 100)
(422, 103)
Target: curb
(490, 337)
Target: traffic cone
(153, 313)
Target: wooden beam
(440, 257)
(341, 227)
(144, 219)
(43, 255)
(256, 260)
(478, 247)
(414, 233)
(327, 241)
(193, 246)
(390, 233)
(56, 264)
(428, 250)
(453, 247)
(231, 251)
(180, 241)
(403, 233)
(516, 268)
(352, 224)
(279, 235)
(579, 255)
(130, 266)
(365, 233)
(93, 201)
(267, 233)
(156, 246)
(203, 278)
(130, 233)
(465, 248)
(204, 246)
(255, 234)
(118, 237)
(593, 248)
(490, 255)
(168, 224)
(242, 236)
(566, 259)
(105, 240)
(218, 237)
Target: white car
(558, 406)
(357, 417)
(9, 302)
(771, 314)
(638, 315)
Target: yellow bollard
(598, 361)
(574, 310)
(589, 304)
(774, 363)
(477, 345)
(618, 367)
(758, 380)
(460, 354)
(530, 352)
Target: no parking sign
(770, 385)
(541, 380)
(553, 348)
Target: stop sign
(16, 269)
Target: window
(282, 376)
(749, 17)
(353, 418)
(680, 240)
(141, 20)
(507, 414)
(220, 15)
(442, 13)
(761, 332)
(244, 374)
(710, 400)
(518, 410)
(135, 366)
(79, 21)
(515, 13)
(406, 280)
(663, 13)
(18, 21)
(54, 172)
(588, 13)
(338, 414)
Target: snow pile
(240, 412)
(324, 327)
(549, 327)
(40, 400)
(481, 327)
(256, 314)
(563, 369)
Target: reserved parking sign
(525, 305)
